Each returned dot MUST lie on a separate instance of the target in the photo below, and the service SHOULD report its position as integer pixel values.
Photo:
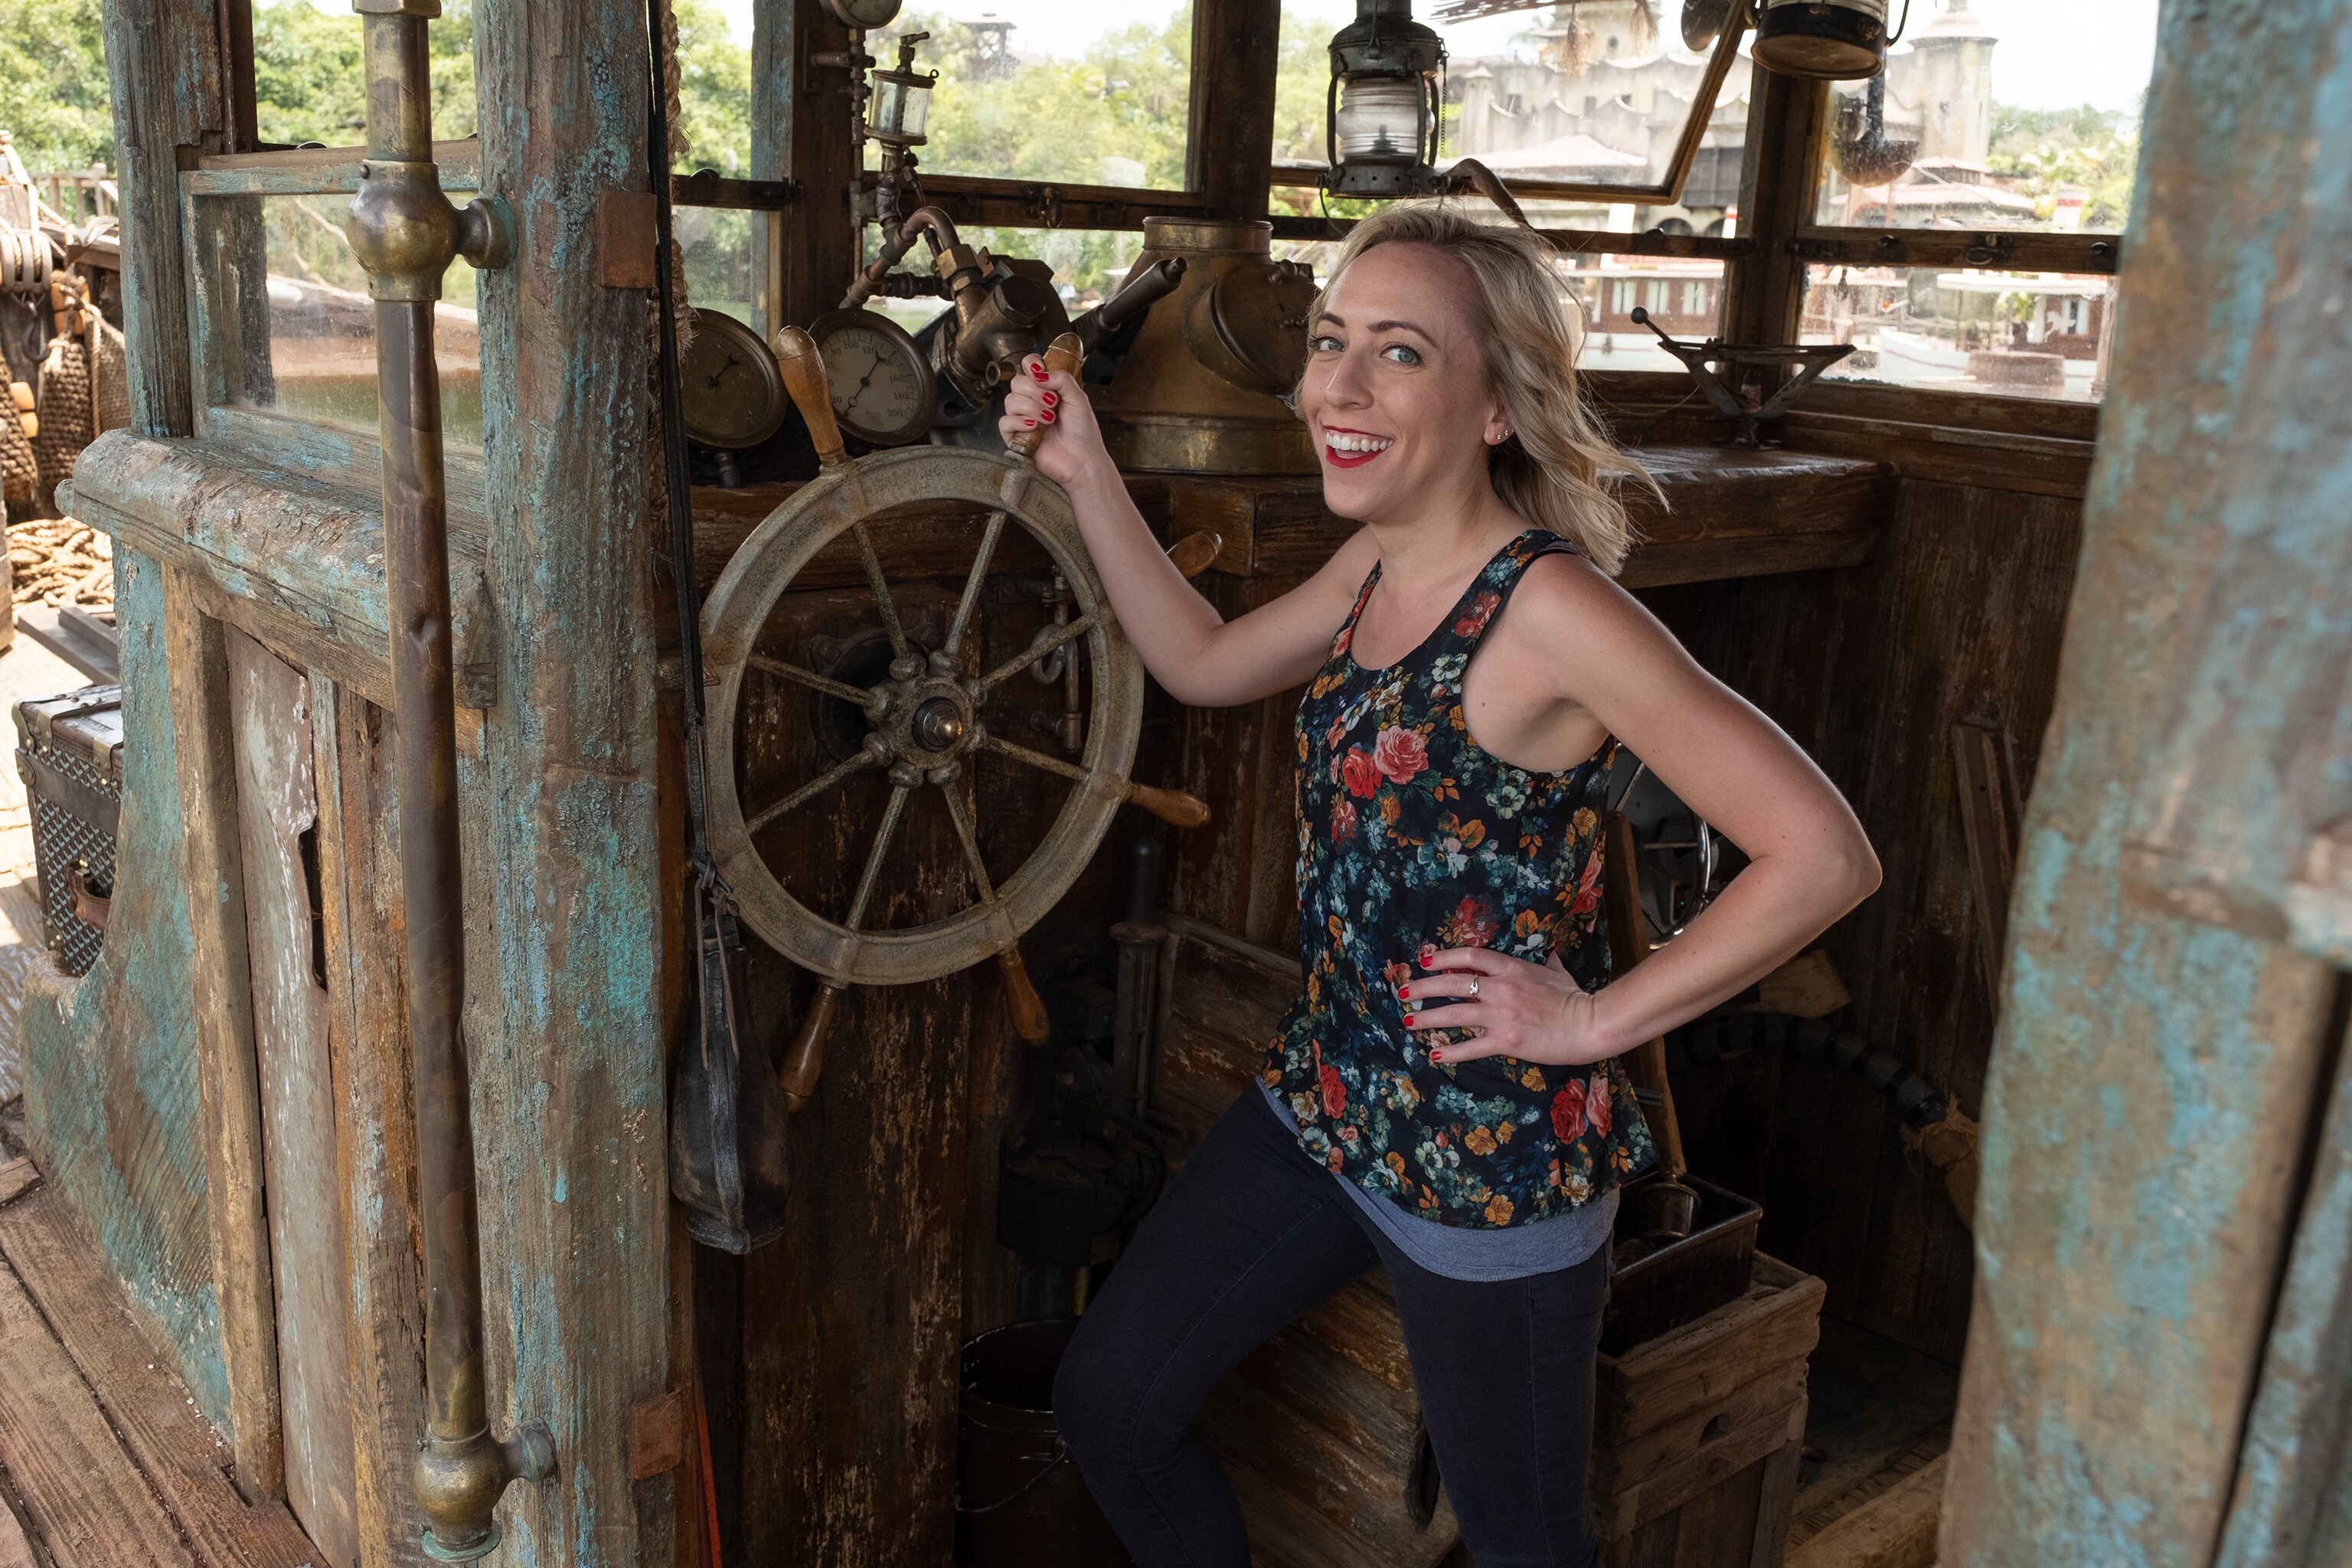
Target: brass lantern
(1380, 116)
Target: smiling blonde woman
(1444, 1098)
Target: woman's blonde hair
(1549, 469)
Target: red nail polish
(1049, 416)
(1408, 1020)
(1030, 423)
(1052, 398)
(1404, 991)
(1038, 372)
(1437, 1056)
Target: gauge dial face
(732, 395)
(866, 14)
(884, 392)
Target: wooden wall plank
(1957, 620)
(178, 1451)
(375, 1130)
(89, 1504)
(278, 813)
(197, 685)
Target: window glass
(1596, 92)
(304, 341)
(1042, 89)
(309, 87)
(2016, 334)
(1995, 114)
(723, 265)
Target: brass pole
(405, 232)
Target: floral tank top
(1411, 837)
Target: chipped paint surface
(110, 1093)
(2155, 1076)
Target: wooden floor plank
(91, 1506)
(16, 1552)
(16, 1178)
(181, 1455)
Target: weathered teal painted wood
(111, 1092)
(2155, 1078)
(112, 1095)
(295, 537)
(323, 171)
(2296, 1444)
(565, 1017)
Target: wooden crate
(1697, 1434)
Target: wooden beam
(2004, 250)
(977, 200)
(174, 1447)
(1229, 148)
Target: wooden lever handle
(1169, 805)
(812, 390)
(1629, 944)
(1029, 1017)
(1067, 354)
(805, 1060)
(1193, 553)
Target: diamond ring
(1474, 988)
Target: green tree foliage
(53, 94)
(2048, 149)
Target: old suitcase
(69, 754)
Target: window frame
(1735, 27)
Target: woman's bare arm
(1203, 659)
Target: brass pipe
(405, 232)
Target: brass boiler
(1200, 391)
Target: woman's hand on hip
(1053, 402)
(1535, 1011)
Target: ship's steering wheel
(924, 722)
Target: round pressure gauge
(866, 14)
(884, 392)
(734, 395)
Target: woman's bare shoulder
(1566, 603)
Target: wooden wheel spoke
(1062, 637)
(808, 677)
(972, 584)
(873, 872)
(881, 587)
(959, 813)
(809, 791)
(1039, 759)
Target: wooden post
(819, 244)
(1229, 154)
(2157, 1080)
(566, 1027)
(1764, 289)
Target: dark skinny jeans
(1253, 1232)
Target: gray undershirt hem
(1455, 1252)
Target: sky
(2052, 54)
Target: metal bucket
(1020, 1500)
